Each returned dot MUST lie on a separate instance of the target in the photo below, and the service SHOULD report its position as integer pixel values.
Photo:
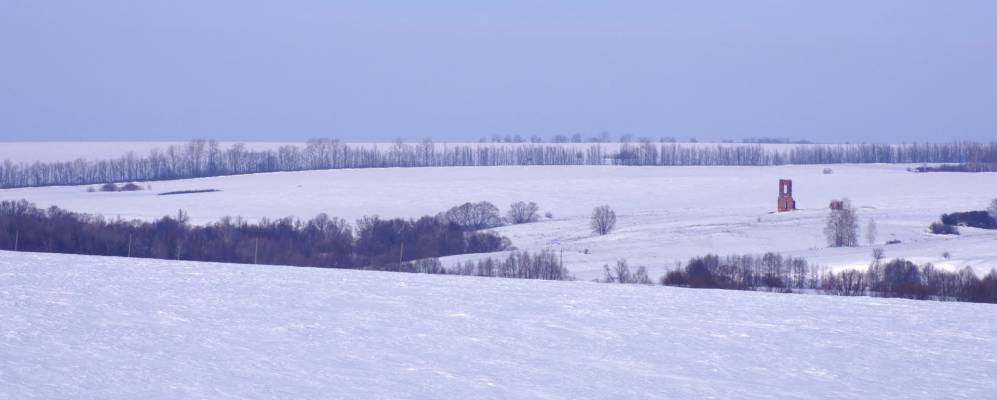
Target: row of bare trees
(323, 241)
(201, 158)
(774, 272)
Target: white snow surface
(81, 327)
(666, 214)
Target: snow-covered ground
(79, 327)
(665, 213)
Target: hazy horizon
(847, 71)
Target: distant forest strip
(323, 241)
(205, 158)
(773, 272)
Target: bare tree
(992, 210)
(481, 215)
(603, 220)
(521, 213)
(871, 231)
(622, 272)
(842, 226)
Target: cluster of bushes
(771, 271)
(949, 223)
(544, 265)
(975, 219)
(940, 228)
(322, 241)
(113, 187)
(904, 279)
(621, 273)
(484, 215)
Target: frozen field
(116, 328)
(665, 213)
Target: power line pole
(17, 238)
(129, 245)
(256, 250)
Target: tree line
(323, 241)
(203, 158)
(773, 272)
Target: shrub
(487, 242)
(939, 228)
(109, 187)
(521, 213)
(675, 278)
(129, 187)
(549, 215)
(603, 220)
(828, 171)
(975, 219)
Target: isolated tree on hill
(603, 220)
(521, 212)
(842, 226)
(871, 231)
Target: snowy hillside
(665, 213)
(116, 328)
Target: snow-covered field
(79, 327)
(665, 213)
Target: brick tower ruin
(786, 202)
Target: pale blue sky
(843, 70)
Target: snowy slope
(115, 328)
(665, 213)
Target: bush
(522, 213)
(109, 187)
(675, 278)
(487, 242)
(129, 187)
(549, 215)
(975, 219)
(828, 171)
(939, 228)
(603, 220)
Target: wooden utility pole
(17, 237)
(129, 246)
(256, 250)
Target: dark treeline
(770, 271)
(773, 272)
(322, 241)
(544, 265)
(202, 158)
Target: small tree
(603, 220)
(992, 210)
(522, 213)
(842, 226)
(473, 216)
(871, 231)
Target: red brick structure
(786, 202)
